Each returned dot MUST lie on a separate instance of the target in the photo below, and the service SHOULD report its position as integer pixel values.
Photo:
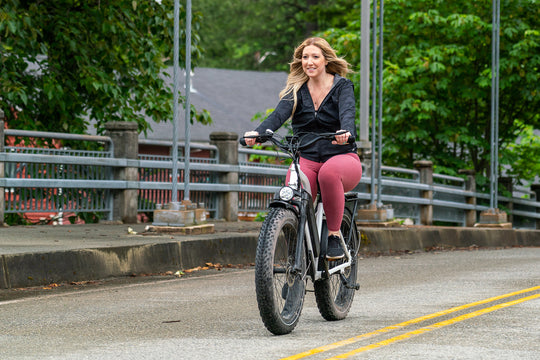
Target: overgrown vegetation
(262, 35)
(437, 72)
(104, 60)
(64, 62)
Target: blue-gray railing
(69, 181)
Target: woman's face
(313, 61)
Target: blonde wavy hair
(297, 77)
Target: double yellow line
(418, 320)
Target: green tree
(66, 61)
(262, 35)
(438, 80)
(437, 83)
(524, 155)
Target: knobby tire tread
(326, 300)
(269, 309)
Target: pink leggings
(339, 174)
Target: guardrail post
(125, 139)
(2, 169)
(426, 177)
(227, 144)
(470, 185)
(536, 189)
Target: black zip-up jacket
(337, 112)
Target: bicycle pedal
(352, 287)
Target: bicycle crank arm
(347, 284)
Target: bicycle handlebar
(269, 136)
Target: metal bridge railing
(63, 180)
(45, 177)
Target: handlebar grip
(258, 139)
(351, 140)
(261, 138)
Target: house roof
(232, 97)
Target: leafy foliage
(66, 61)
(262, 35)
(437, 83)
(105, 61)
(438, 80)
(524, 155)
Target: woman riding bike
(320, 99)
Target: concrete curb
(33, 269)
(40, 268)
(425, 238)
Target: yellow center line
(403, 324)
(435, 326)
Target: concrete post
(125, 139)
(2, 169)
(536, 189)
(364, 153)
(227, 144)
(506, 184)
(470, 185)
(426, 177)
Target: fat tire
(333, 298)
(280, 305)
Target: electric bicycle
(292, 244)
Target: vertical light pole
(495, 104)
(364, 74)
(376, 132)
(175, 213)
(176, 100)
(187, 146)
(380, 103)
(176, 90)
(374, 102)
(493, 217)
(374, 212)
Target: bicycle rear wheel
(280, 293)
(334, 298)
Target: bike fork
(298, 267)
(307, 235)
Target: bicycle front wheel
(280, 292)
(334, 298)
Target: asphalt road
(482, 304)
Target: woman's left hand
(341, 139)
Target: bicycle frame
(289, 250)
(311, 227)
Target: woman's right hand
(249, 137)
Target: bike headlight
(286, 193)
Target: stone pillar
(126, 146)
(426, 177)
(227, 144)
(506, 184)
(536, 189)
(365, 157)
(470, 185)
(2, 169)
